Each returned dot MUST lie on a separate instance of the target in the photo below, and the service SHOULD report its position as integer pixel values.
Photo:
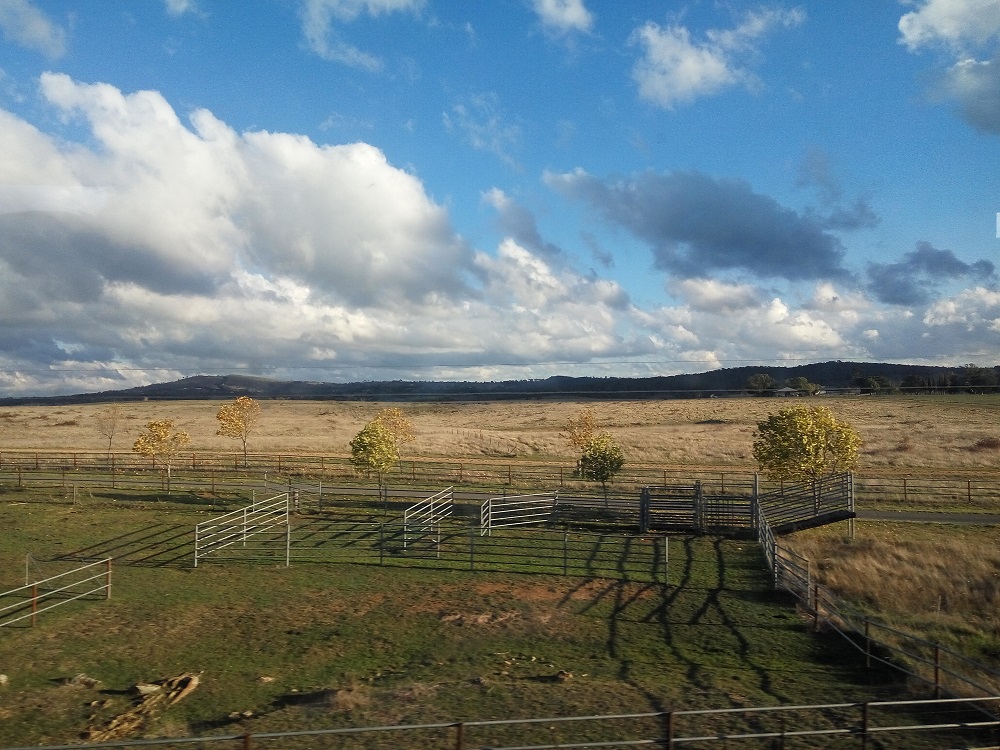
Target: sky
(344, 190)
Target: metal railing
(517, 510)
(947, 722)
(55, 591)
(424, 517)
(259, 519)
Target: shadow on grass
(156, 545)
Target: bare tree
(109, 422)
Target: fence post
(381, 544)
(666, 560)
(459, 736)
(904, 490)
(472, 548)
(668, 730)
(34, 604)
(107, 580)
(320, 498)
(937, 671)
(565, 552)
(864, 724)
(246, 742)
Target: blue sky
(416, 189)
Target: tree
(397, 423)
(602, 459)
(761, 383)
(108, 421)
(802, 385)
(374, 450)
(160, 443)
(238, 419)
(580, 430)
(802, 443)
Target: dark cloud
(836, 213)
(913, 280)
(518, 223)
(68, 259)
(698, 224)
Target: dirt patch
(482, 619)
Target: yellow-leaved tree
(160, 443)
(805, 444)
(581, 429)
(601, 460)
(397, 423)
(238, 419)
(374, 450)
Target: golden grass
(899, 432)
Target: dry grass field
(899, 432)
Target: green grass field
(360, 644)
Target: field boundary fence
(264, 524)
(835, 725)
(517, 510)
(219, 472)
(945, 670)
(38, 596)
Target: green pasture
(320, 645)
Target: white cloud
(24, 24)
(485, 127)
(318, 18)
(675, 69)
(715, 296)
(564, 16)
(956, 23)
(180, 7)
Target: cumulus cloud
(676, 69)
(697, 224)
(563, 16)
(25, 25)
(914, 279)
(975, 85)
(165, 244)
(318, 17)
(956, 23)
(967, 29)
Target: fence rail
(518, 510)
(945, 669)
(264, 520)
(972, 491)
(24, 602)
(832, 726)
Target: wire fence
(907, 724)
(25, 603)
(945, 670)
(221, 472)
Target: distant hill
(833, 376)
